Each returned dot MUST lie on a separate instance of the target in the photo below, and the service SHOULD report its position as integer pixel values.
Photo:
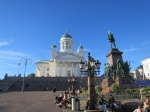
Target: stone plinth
(113, 55)
(125, 82)
(106, 83)
(122, 82)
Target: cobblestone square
(35, 101)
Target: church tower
(66, 43)
(80, 51)
(53, 52)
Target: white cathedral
(63, 63)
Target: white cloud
(130, 50)
(11, 55)
(87, 50)
(145, 43)
(3, 43)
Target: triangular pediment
(67, 56)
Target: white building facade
(146, 68)
(63, 63)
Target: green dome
(66, 36)
(54, 46)
(80, 47)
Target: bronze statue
(111, 39)
(107, 70)
(127, 68)
(119, 69)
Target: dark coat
(54, 90)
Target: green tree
(98, 88)
(114, 87)
(31, 75)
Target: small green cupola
(81, 50)
(53, 51)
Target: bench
(117, 108)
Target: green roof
(54, 46)
(81, 47)
(66, 36)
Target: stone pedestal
(125, 82)
(113, 55)
(106, 83)
(122, 82)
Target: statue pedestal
(125, 82)
(113, 55)
(106, 83)
(122, 82)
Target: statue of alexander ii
(111, 39)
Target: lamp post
(73, 81)
(91, 68)
(19, 67)
(26, 60)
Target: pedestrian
(147, 108)
(102, 103)
(54, 90)
(111, 102)
(139, 109)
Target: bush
(114, 87)
(98, 88)
(84, 91)
(128, 91)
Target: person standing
(54, 90)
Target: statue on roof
(111, 39)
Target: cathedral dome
(80, 47)
(66, 36)
(54, 46)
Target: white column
(44, 72)
(66, 70)
(55, 69)
(75, 69)
(60, 69)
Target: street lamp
(91, 68)
(73, 81)
(19, 67)
(26, 59)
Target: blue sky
(30, 27)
